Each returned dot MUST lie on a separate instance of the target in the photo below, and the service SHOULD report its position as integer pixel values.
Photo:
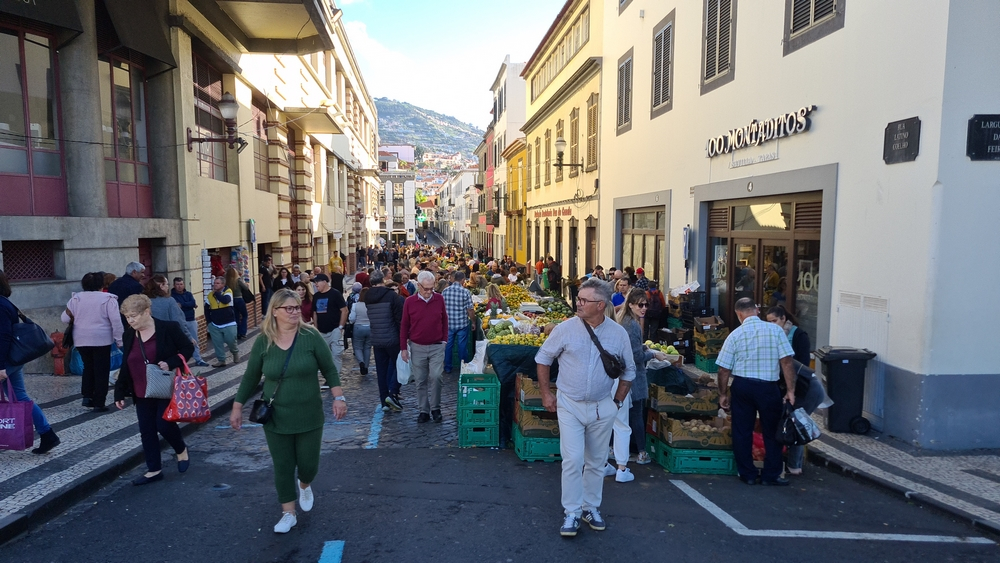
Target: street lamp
(228, 107)
(560, 151)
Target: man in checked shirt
(753, 356)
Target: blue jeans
(457, 337)
(240, 308)
(265, 299)
(16, 376)
(362, 342)
(813, 398)
(385, 368)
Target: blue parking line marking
(376, 429)
(333, 552)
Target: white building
(453, 208)
(860, 163)
(508, 116)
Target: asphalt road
(447, 504)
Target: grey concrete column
(164, 163)
(79, 94)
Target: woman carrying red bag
(160, 342)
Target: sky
(443, 55)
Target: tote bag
(190, 398)
(16, 432)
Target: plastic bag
(478, 362)
(116, 357)
(402, 370)
(805, 426)
(75, 362)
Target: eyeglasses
(291, 309)
(583, 301)
(642, 305)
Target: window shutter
(665, 72)
(711, 38)
(628, 91)
(538, 162)
(725, 34)
(548, 156)
(801, 16)
(621, 98)
(658, 68)
(823, 8)
(808, 216)
(574, 140)
(592, 106)
(718, 219)
(527, 166)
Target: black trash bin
(844, 368)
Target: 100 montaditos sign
(759, 132)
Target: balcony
(274, 26)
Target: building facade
(563, 93)
(846, 192)
(508, 118)
(453, 207)
(516, 205)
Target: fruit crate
(703, 462)
(478, 390)
(535, 449)
(478, 436)
(655, 448)
(708, 349)
(706, 364)
(478, 416)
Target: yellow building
(563, 84)
(513, 157)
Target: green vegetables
(500, 329)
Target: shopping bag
(75, 362)
(402, 370)
(806, 427)
(116, 357)
(189, 402)
(788, 434)
(29, 342)
(16, 431)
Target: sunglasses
(642, 305)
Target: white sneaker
(285, 524)
(610, 470)
(305, 497)
(643, 458)
(621, 475)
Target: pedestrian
(555, 275)
(162, 343)
(621, 290)
(361, 257)
(221, 321)
(599, 273)
(797, 337)
(282, 281)
(164, 308)
(129, 284)
(336, 267)
(15, 373)
(188, 305)
(296, 273)
(586, 406)
(385, 313)
(362, 339)
(290, 353)
(266, 275)
(641, 281)
(655, 311)
(631, 421)
(423, 335)
(330, 311)
(97, 323)
(241, 296)
(461, 313)
(305, 296)
(755, 355)
(512, 275)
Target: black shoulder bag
(613, 365)
(262, 411)
(29, 341)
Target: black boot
(49, 441)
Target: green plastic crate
(535, 449)
(704, 462)
(654, 447)
(478, 436)
(478, 416)
(478, 390)
(706, 365)
(674, 322)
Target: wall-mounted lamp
(228, 108)
(560, 151)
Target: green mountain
(403, 123)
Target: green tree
(419, 197)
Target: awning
(314, 120)
(60, 13)
(140, 28)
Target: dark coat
(124, 287)
(385, 313)
(170, 341)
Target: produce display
(514, 295)
(519, 339)
(500, 329)
(666, 349)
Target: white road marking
(736, 526)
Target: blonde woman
(295, 431)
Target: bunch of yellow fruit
(515, 295)
(520, 339)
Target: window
(622, 4)
(624, 122)
(548, 157)
(31, 173)
(592, 132)
(574, 141)
(527, 168)
(208, 119)
(559, 133)
(663, 66)
(29, 260)
(718, 48)
(538, 162)
(123, 125)
(564, 51)
(807, 21)
(260, 168)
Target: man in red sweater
(423, 334)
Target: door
(591, 248)
(744, 270)
(759, 271)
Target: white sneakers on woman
(305, 498)
(286, 523)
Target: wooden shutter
(808, 216)
(661, 66)
(592, 106)
(538, 162)
(711, 38)
(548, 156)
(559, 133)
(527, 167)
(725, 34)
(806, 13)
(574, 141)
(625, 93)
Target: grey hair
(601, 288)
(458, 276)
(133, 267)
(745, 305)
(376, 277)
(425, 275)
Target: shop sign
(757, 133)
(984, 138)
(902, 141)
(565, 211)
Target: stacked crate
(478, 410)
(684, 309)
(709, 335)
(682, 449)
(535, 430)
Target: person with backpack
(656, 307)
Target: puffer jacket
(385, 312)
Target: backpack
(655, 301)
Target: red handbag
(189, 402)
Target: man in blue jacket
(184, 298)
(130, 283)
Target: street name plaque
(984, 138)
(902, 141)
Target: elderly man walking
(130, 283)
(585, 403)
(423, 333)
(458, 305)
(753, 355)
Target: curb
(822, 460)
(61, 500)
